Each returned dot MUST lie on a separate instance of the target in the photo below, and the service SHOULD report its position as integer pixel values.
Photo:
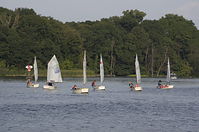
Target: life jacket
(93, 83)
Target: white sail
(137, 69)
(101, 69)
(84, 68)
(35, 69)
(54, 73)
(168, 72)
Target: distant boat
(101, 86)
(82, 90)
(167, 85)
(137, 87)
(35, 84)
(173, 76)
(53, 74)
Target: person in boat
(29, 83)
(74, 87)
(159, 83)
(93, 84)
(50, 84)
(131, 85)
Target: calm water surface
(116, 109)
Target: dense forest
(25, 34)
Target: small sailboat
(35, 84)
(82, 90)
(173, 76)
(137, 87)
(101, 86)
(167, 85)
(53, 74)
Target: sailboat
(173, 76)
(101, 86)
(167, 85)
(137, 87)
(35, 84)
(82, 90)
(53, 74)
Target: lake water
(117, 109)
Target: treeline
(25, 34)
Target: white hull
(36, 85)
(165, 86)
(173, 78)
(81, 90)
(100, 87)
(33, 85)
(49, 87)
(137, 88)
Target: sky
(82, 10)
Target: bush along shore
(43, 73)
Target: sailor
(74, 87)
(130, 84)
(93, 83)
(29, 83)
(50, 84)
(159, 82)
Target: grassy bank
(134, 75)
(43, 73)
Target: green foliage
(131, 18)
(24, 34)
(2, 64)
(67, 64)
(184, 70)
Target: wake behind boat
(53, 74)
(84, 89)
(167, 85)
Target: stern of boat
(81, 90)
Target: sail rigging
(54, 73)
(101, 69)
(84, 68)
(35, 69)
(137, 69)
(168, 72)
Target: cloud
(189, 11)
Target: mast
(101, 69)
(84, 68)
(35, 70)
(168, 72)
(137, 69)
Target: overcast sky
(81, 10)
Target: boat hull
(80, 90)
(33, 85)
(99, 87)
(165, 86)
(173, 78)
(136, 88)
(49, 87)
